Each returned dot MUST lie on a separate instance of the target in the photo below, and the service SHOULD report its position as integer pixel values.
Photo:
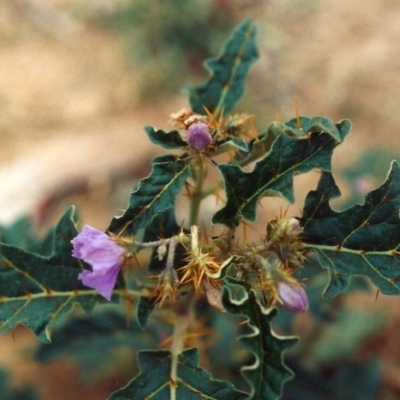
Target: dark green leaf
(232, 143)
(145, 308)
(169, 140)
(362, 240)
(291, 128)
(297, 127)
(164, 225)
(96, 342)
(226, 85)
(38, 291)
(273, 175)
(193, 382)
(154, 195)
(268, 373)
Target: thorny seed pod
(167, 287)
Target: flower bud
(198, 135)
(294, 224)
(293, 297)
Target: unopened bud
(294, 224)
(198, 135)
(293, 297)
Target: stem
(178, 342)
(137, 246)
(197, 195)
(127, 293)
(171, 254)
(211, 189)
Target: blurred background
(79, 79)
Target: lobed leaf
(154, 195)
(228, 72)
(232, 143)
(37, 290)
(145, 308)
(273, 175)
(297, 126)
(168, 140)
(362, 240)
(268, 373)
(154, 380)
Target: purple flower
(293, 297)
(198, 135)
(103, 254)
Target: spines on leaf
(168, 140)
(226, 85)
(268, 373)
(273, 175)
(36, 290)
(362, 240)
(154, 195)
(193, 382)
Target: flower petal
(103, 282)
(96, 248)
(103, 254)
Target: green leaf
(37, 290)
(8, 393)
(168, 140)
(296, 127)
(145, 308)
(193, 382)
(273, 175)
(268, 373)
(97, 342)
(164, 225)
(308, 124)
(232, 143)
(362, 240)
(154, 195)
(228, 72)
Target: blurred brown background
(72, 108)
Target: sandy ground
(71, 117)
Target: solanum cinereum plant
(194, 274)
